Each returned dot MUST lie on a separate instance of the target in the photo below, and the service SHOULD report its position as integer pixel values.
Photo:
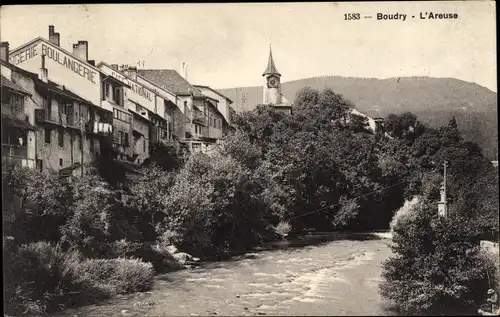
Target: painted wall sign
(137, 92)
(70, 63)
(58, 56)
(62, 68)
(23, 55)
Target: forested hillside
(433, 100)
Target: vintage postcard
(229, 159)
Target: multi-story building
(154, 115)
(223, 105)
(59, 109)
(72, 121)
(18, 130)
(202, 120)
(165, 108)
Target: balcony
(200, 118)
(99, 128)
(19, 161)
(16, 112)
(17, 155)
(15, 150)
(54, 117)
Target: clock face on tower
(272, 82)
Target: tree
(94, 217)
(405, 126)
(34, 204)
(108, 167)
(168, 156)
(436, 268)
(306, 97)
(216, 205)
(146, 201)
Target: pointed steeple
(271, 68)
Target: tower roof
(271, 68)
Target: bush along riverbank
(90, 237)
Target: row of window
(216, 123)
(197, 129)
(121, 138)
(60, 138)
(111, 92)
(12, 103)
(122, 116)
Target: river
(308, 277)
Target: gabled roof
(61, 90)
(18, 70)
(7, 83)
(215, 91)
(159, 93)
(271, 67)
(11, 121)
(116, 80)
(121, 73)
(170, 80)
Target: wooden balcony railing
(15, 150)
(55, 117)
(199, 117)
(19, 161)
(13, 111)
(99, 128)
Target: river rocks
(124, 312)
(171, 249)
(145, 303)
(183, 257)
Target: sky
(227, 45)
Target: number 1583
(352, 16)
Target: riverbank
(335, 277)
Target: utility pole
(443, 204)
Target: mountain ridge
(433, 100)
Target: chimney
(54, 37)
(114, 66)
(132, 72)
(43, 71)
(184, 70)
(4, 51)
(81, 50)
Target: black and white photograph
(250, 159)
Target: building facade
(223, 104)
(74, 112)
(203, 123)
(60, 109)
(18, 130)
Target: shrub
(132, 275)
(283, 228)
(34, 204)
(437, 267)
(403, 212)
(40, 277)
(115, 276)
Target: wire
(323, 208)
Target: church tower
(272, 83)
